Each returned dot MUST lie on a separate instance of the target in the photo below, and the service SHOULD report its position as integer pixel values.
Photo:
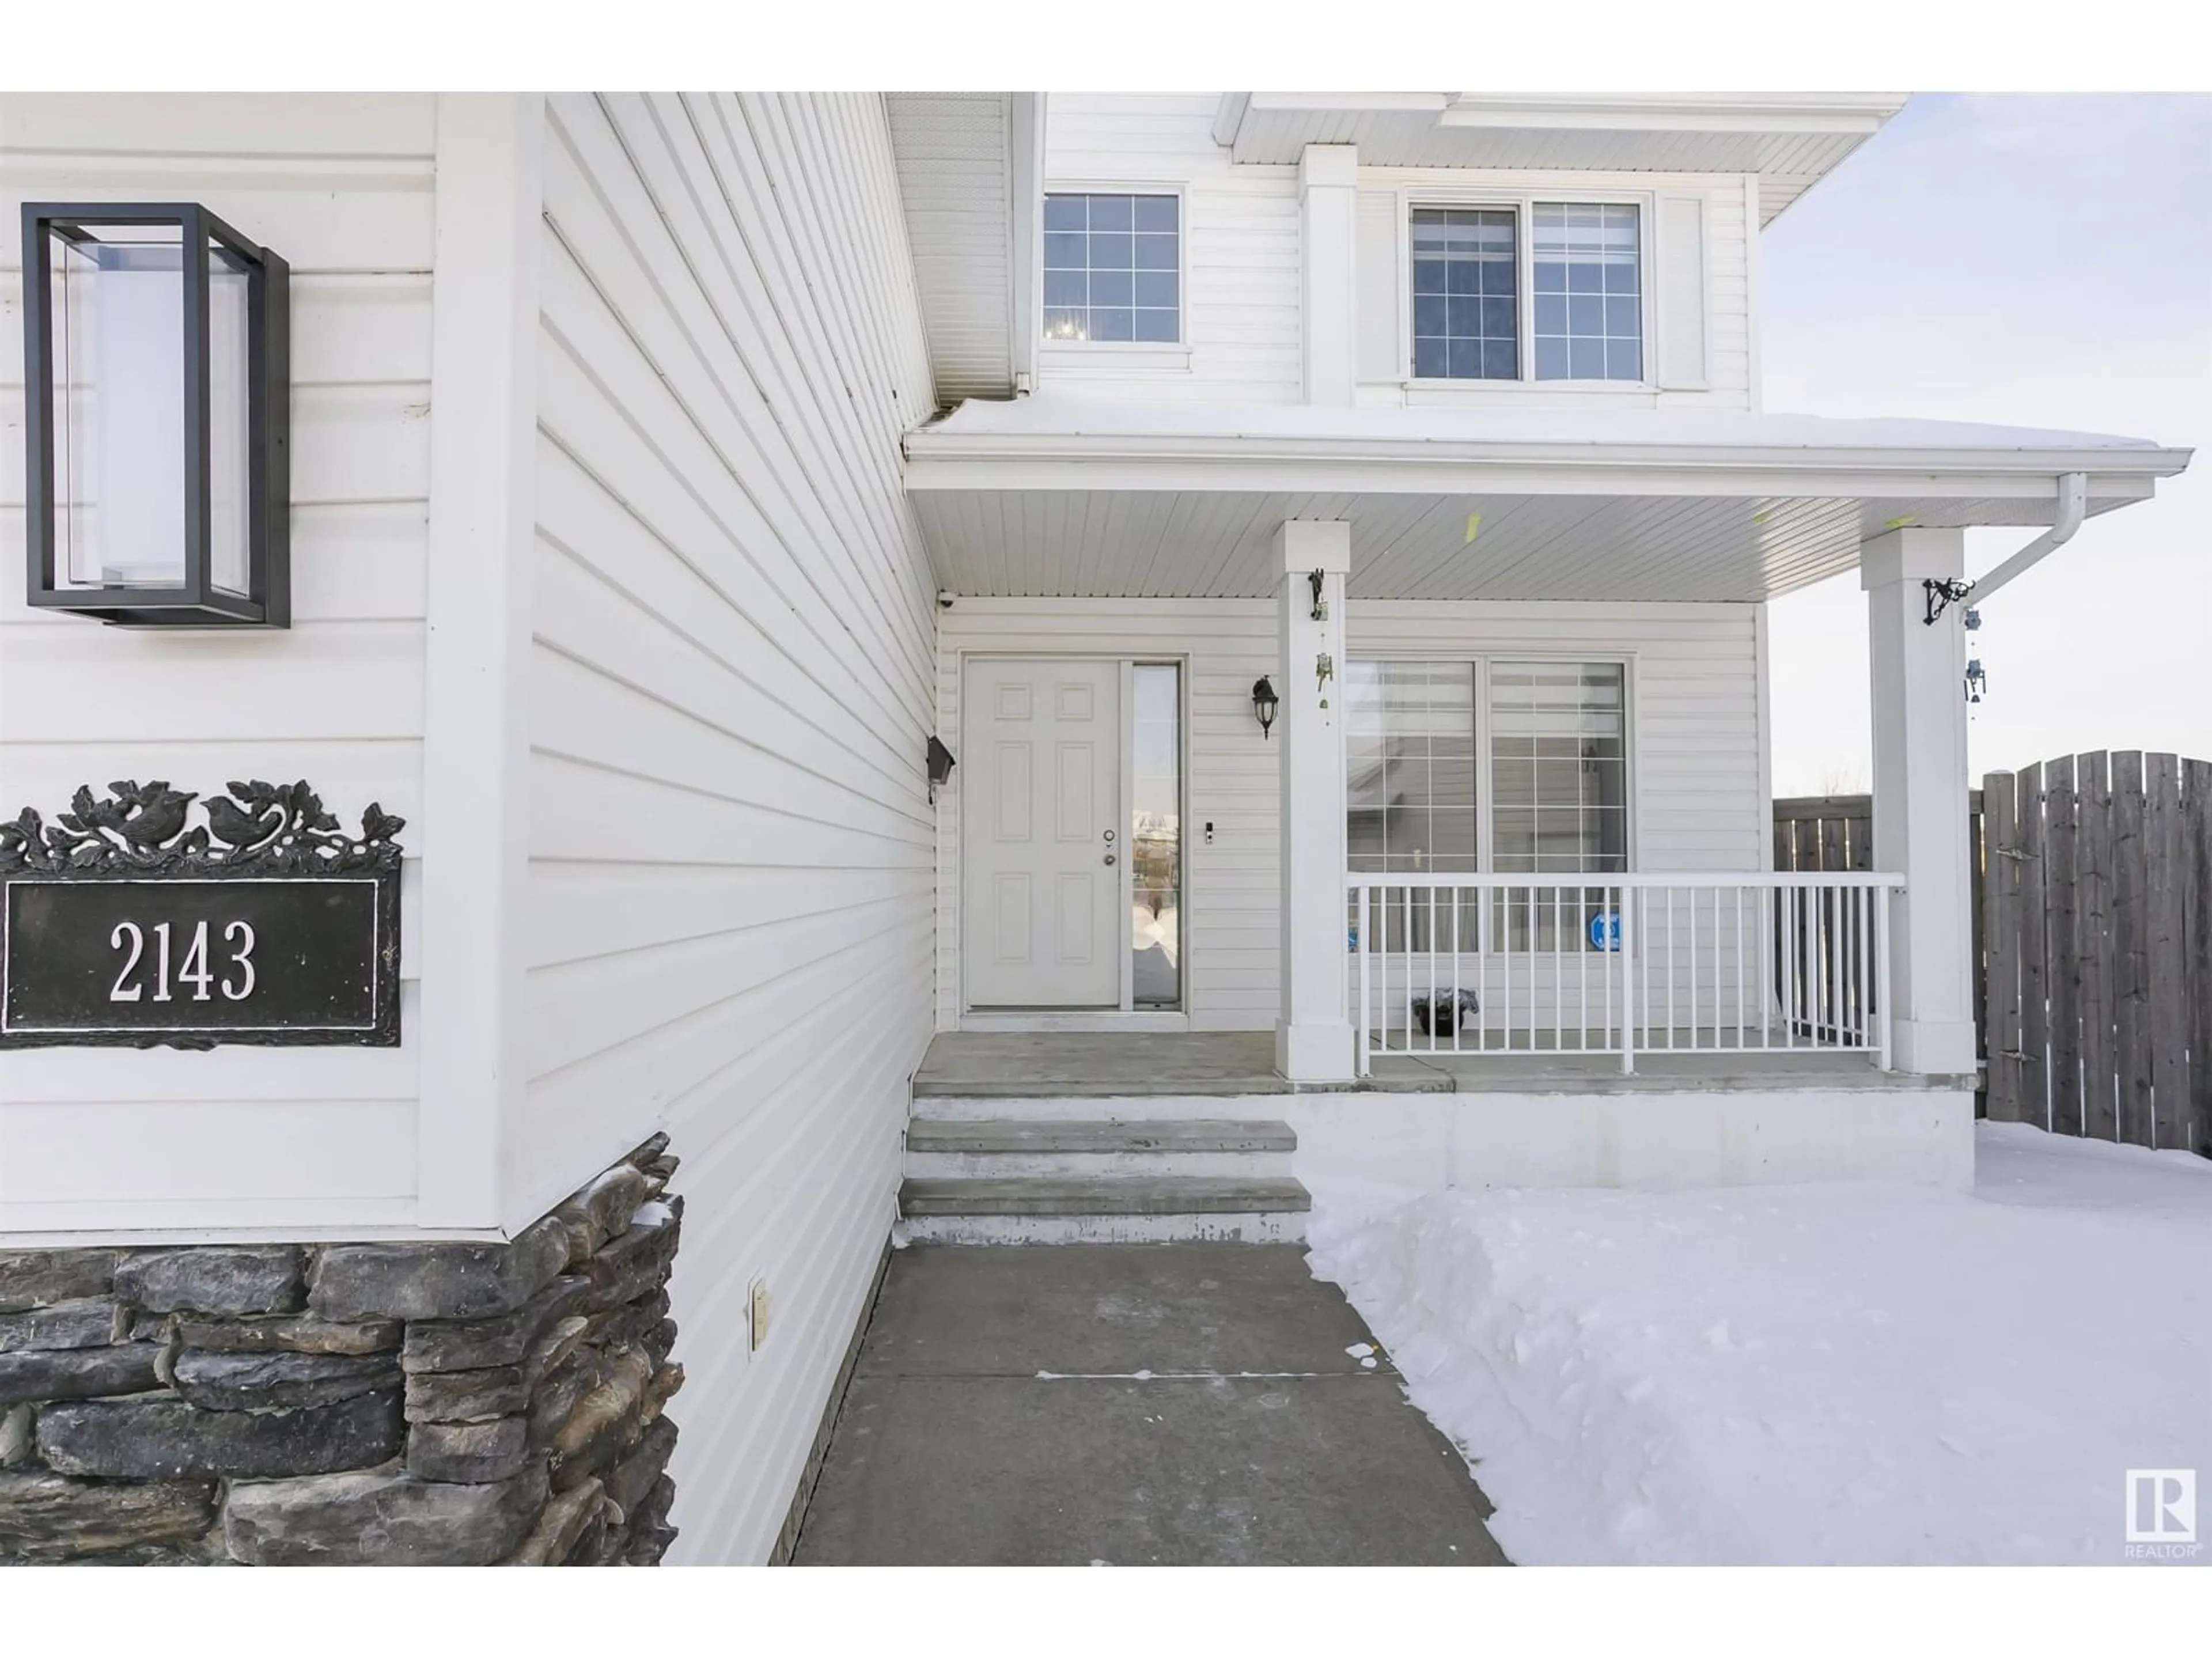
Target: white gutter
(2073, 507)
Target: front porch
(1086, 1137)
(1152, 1066)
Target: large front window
(1500, 765)
(1581, 290)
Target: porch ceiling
(1052, 498)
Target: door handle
(1109, 859)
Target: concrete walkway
(1130, 1404)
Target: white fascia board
(1268, 476)
(1352, 103)
(939, 460)
(1858, 113)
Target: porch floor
(1104, 1065)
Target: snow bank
(1839, 1373)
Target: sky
(2028, 260)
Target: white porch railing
(1622, 964)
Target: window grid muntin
(1466, 265)
(1113, 267)
(1587, 290)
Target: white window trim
(1485, 791)
(1165, 354)
(1522, 202)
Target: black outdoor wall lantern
(157, 369)
(1264, 703)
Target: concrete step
(1088, 1166)
(1205, 1134)
(1085, 1108)
(1223, 1227)
(1155, 1195)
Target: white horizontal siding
(728, 932)
(1240, 255)
(343, 187)
(1697, 802)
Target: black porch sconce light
(940, 766)
(1264, 702)
(157, 371)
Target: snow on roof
(1046, 415)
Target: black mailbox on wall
(157, 370)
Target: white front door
(1041, 835)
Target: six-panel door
(1041, 835)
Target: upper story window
(1113, 267)
(1589, 306)
(1465, 268)
(1581, 288)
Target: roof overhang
(1046, 496)
(1790, 140)
(969, 165)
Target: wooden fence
(2097, 890)
(2093, 922)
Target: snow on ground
(1836, 1373)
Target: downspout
(2073, 506)
(1025, 115)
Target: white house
(668, 473)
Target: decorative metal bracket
(1943, 593)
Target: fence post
(2058, 946)
(2165, 961)
(1978, 857)
(2093, 922)
(2130, 928)
(2001, 889)
(2197, 853)
(2035, 982)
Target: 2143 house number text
(233, 975)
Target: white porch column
(1313, 1038)
(1328, 179)
(1920, 795)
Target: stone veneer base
(422, 1404)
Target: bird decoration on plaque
(153, 915)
